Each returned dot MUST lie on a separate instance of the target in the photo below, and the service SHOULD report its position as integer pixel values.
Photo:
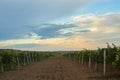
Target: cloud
(102, 28)
(61, 43)
(49, 30)
(106, 23)
(72, 30)
(85, 31)
(14, 15)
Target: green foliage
(112, 55)
(12, 59)
(116, 63)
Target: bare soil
(54, 68)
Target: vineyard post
(104, 66)
(96, 62)
(89, 59)
(95, 66)
(27, 58)
(18, 63)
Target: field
(54, 68)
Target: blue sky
(55, 24)
(103, 7)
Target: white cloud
(102, 28)
(32, 35)
(106, 23)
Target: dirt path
(55, 68)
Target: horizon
(64, 25)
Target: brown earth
(54, 68)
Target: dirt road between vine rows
(54, 68)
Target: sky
(55, 25)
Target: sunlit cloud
(73, 42)
(105, 23)
(86, 31)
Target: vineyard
(14, 59)
(103, 60)
(100, 64)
